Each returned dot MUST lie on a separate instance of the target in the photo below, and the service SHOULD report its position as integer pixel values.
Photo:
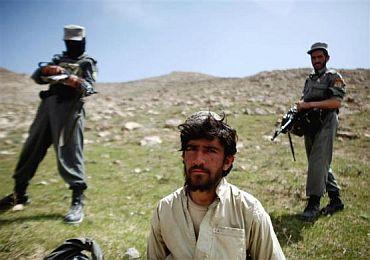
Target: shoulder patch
(338, 82)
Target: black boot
(75, 214)
(19, 196)
(312, 210)
(334, 205)
(13, 199)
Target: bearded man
(208, 217)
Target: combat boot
(334, 205)
(13, 199)
(312, 210)
(75, 214)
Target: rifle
(288, 125)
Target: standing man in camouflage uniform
(322, 94)
(59, 121)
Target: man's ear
(327, 58)
(228, 162)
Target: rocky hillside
(177, 94)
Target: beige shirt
(197, 213)
(235, 226)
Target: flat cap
(318, 46)
(74, 33)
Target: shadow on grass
(288, 228)
(12, 220)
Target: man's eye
(211, 150)
(189, 148)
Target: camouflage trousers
(319, 151)
(60, 123)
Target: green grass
(120, 202)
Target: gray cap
(74, 33)
(318, 46)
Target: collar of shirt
(314, 75)
(221, 192)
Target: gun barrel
(286, 124)
(277, 132)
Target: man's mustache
(198, 167)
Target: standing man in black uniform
(322, 94)
(59, 121)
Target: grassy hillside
(126, 180)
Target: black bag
(309, 122)
(72, 249)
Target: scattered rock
(132, 253)
(247, 111)
(8, 141)
(24, 136)
(239, 145)
(267, 137)
(173, 123)
(137, 170)
(152, 112)
(118, 162)
(132, 126)
(260, 111)
(103, 133)
(347, 134)
(6, 152)
(150, 140)
(88, 141)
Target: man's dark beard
(210, 184)
(322, 68)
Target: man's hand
(52, 70)
(301, 105)
(74, 81)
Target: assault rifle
(290, 124)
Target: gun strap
(291, 145)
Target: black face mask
(75, 48)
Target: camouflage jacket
(325, 84)
(83, 67)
